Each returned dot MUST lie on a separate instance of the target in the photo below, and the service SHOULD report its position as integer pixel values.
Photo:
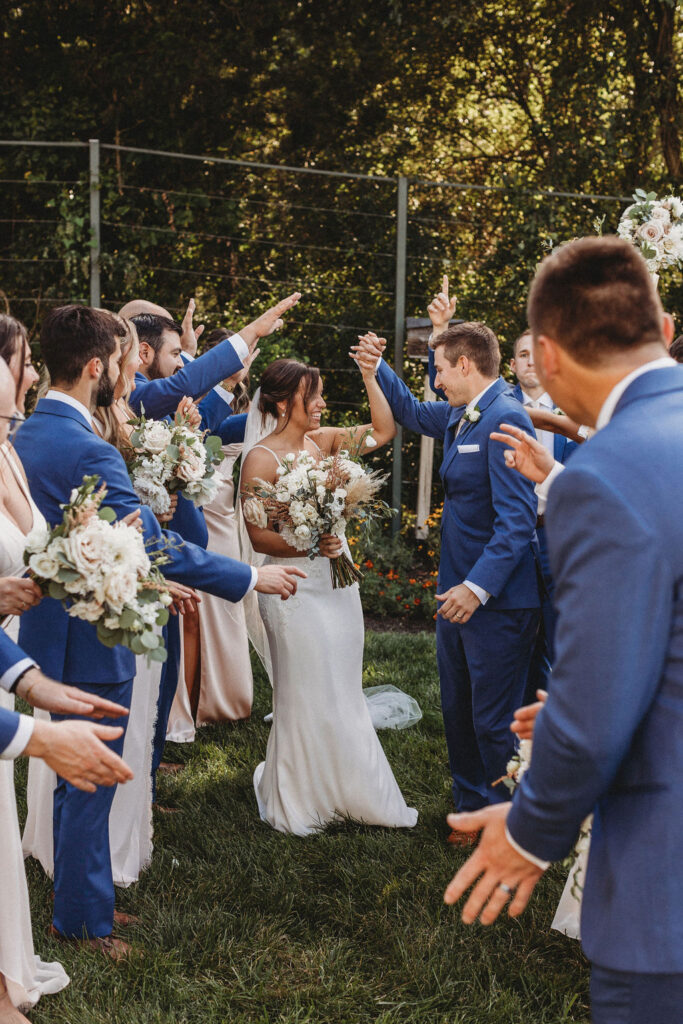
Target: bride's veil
(258, 426)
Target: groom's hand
(500, 873)
(60, 699)
(441, 310)
(269, 321)
(459, 604)
(278, 579)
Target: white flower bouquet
(165, 458)
(100, 571)
(655, 226)
(311, 498)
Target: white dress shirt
(60, 396)
(604, 416)
(20, 740)
(546, 437)
(478, 591)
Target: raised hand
(17, 595)
(238, 377)
(76, 751)
(60, 699)
(368, 351)
(187, 409)
(279, 579)
(525, 718)
(190, 335)
(525, 454)
(269, 321)
(441, 309)
(500, 873)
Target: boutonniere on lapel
(558, 412)
(473, 415)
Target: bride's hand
(330, 546)
(17, 595)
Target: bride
(324, 761)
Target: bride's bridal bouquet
(311, 498)
(655, 226)
(165, 458)
(100, 571)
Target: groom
(610, 738)
(489, 613)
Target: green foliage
(240, 923)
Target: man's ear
(547, 356)
(668, 329)
(94, 368)
(146, 353)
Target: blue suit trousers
(622, 997)
(544, 648)
(483, 669)
(84, 890)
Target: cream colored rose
(254, 513)
(191, 468)
(86, 547)
(156, 437)
(90, 611)
(120, 588)
(652, 232)
(37, 539)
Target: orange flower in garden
(369, 565)
(381, 593)
(412, 581)
(399, 597)
(417, 601)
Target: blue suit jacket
(610, 738)
(562, 446)
(58, 448)
(231, 430)
(489, 513)
(160, 397)
(10, 655)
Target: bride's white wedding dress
(27, 977)
(324, 761)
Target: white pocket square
(465, 448)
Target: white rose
(303, 532)
(37, 539)
(652, 231)
(255, 513)
(676, 206)
(44, 565)
(156, 436)
(86, 547)
(661, 214)
(370, 442)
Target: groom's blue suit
(13, 662)
(610, 738)
(488, 522)
(58, 448)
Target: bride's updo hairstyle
(280, 383)
(13, 337)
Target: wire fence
(98, 223)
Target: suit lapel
(52, 407)
(496, 389)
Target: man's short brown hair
(474, 340)
(594, 297)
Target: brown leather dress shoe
(462, 838)
(117, 949)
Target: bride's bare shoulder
(260, 462)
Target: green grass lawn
(242, 924)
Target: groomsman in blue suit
(489, 611)
(58, 447)
(610, 737)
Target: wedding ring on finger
(506, 888)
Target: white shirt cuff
(585, 432)
(542, 864)
(254, 579)
(482, 594)
(226, 395)
(543, 489)
(20, 739)
(10, 676)
(240, 346)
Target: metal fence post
(399, 336)
(95, 289)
